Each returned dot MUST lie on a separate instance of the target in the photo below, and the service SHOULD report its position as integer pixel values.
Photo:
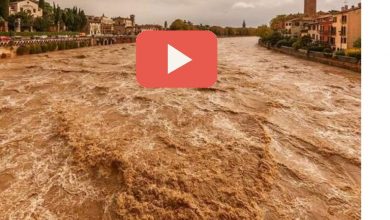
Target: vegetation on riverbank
(31, 34)
(54, 18)
(273, 38)
(180, 24)
(38, 48)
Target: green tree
(302, 42)
(273, 38)
(179, 24)
(230, 31)
(4, 8)
(219, 31)
(264, 31)
(41, 4)
(47, 20)
(244, 24)
(358, 43)
(306, 40)
(27, 21)
(243, 32)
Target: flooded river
(276, 138)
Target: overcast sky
(217, 12)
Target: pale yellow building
(29, 6)
(107, 25)
(287, 28)
(346, 27)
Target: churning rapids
(276, 138)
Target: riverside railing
(100, 40)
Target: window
(333, 30)
(343, 31)
(334, 19)
(344, 19)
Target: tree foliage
(41, 4)
(358, 43)
(27, 20)
(180, 24)
(4, 8)
(74, 19)
(264, 31)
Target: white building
(94, 27)
(28, 6)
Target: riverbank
(36, 46)
(338, 61)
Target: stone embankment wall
(8, 49)
(339, 61)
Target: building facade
(346, 27)
(107, 25)
(28, 6)
(148, 27)
(287, 28)
(298, 27)
(320, 30)
(314, 32)
(93, 27)
(124, 26)
(310, 7)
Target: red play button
(176, 59)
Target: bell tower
(310, 7)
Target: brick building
(310, 8)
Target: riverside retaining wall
(8, 49)
(350, 63)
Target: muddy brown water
(276, 138)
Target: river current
(276, 138)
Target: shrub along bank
(43, 48)
(32, 34)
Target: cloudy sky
(218, 12)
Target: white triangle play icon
(176, 59)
